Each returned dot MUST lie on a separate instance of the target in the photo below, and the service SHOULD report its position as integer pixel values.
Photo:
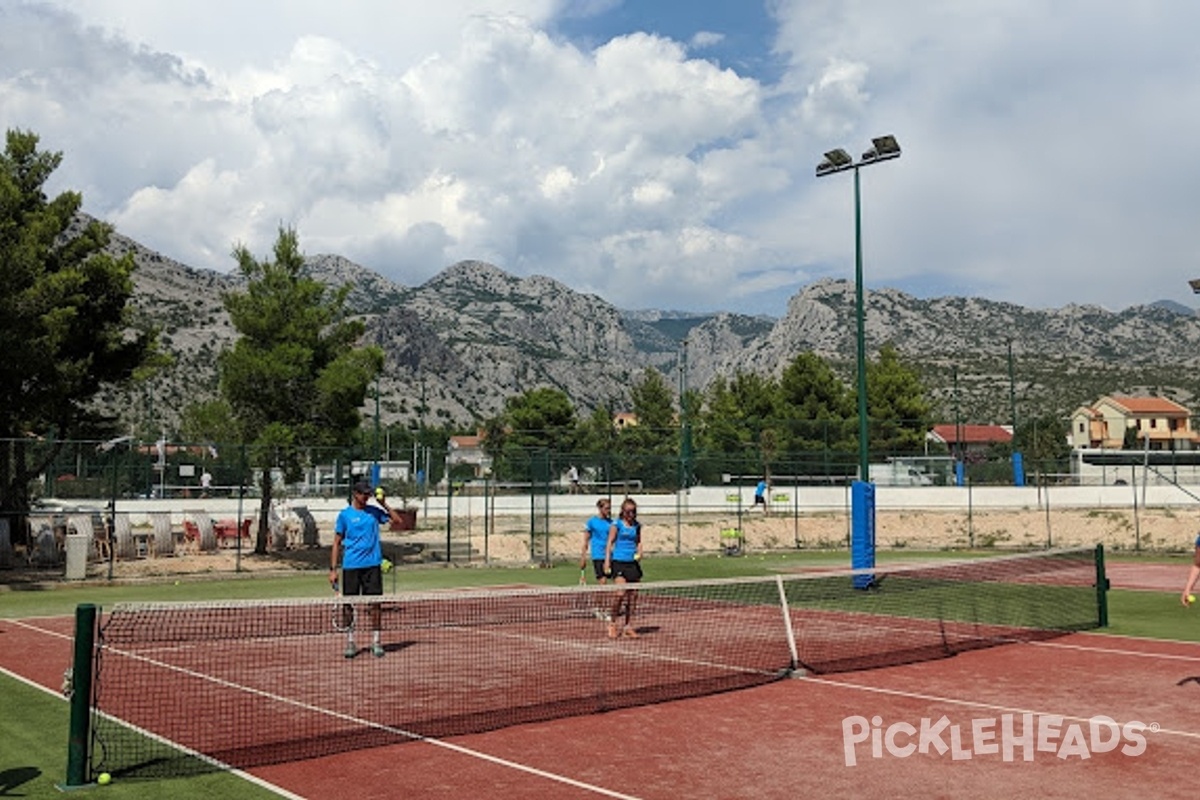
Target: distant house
(468, 450)
(1160, 423)
(969, 439)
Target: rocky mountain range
(459, 344)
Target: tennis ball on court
(1191, 599)
(104, 779)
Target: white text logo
(1011, 737)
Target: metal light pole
(885, 148)
(862, 512)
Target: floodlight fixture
(885, 147)
(835, 161)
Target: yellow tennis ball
(1191, 598)
(104, 779)
(386, 565)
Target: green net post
(81, 695)
(1101, 588)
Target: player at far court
(357, 547)
(760, 494)
(623, 563)
(1186, 597)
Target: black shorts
(598, 568)
(759, 500)
(362, 580)
(631, 571)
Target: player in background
(595, 544)
(623, 562)
(760, 494)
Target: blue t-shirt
(625, 547)
(359, 530)
(761, 489)
(597, 529)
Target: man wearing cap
(357, 548)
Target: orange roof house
(1157, 422)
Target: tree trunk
(264, 515)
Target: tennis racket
(343, 616)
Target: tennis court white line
(971, 703)
(21, 623)
(1115, 651)
(280, 791)
(257, 781)
(377, 726)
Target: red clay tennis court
(1068, 716)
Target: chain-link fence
(184, 498)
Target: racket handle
(334, 584)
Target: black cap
(362, 486)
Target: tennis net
(184, 687)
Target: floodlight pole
(864, 459)
(862, 510)
(885, 148)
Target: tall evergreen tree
(295, 378)
(818, 406)
(538, 419)
(66, 326)
(897, 404)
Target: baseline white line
(933, 698)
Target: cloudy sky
(659, 153)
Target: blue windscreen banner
(1018, 469)
(862, 532)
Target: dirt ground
(509, 542)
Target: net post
(1101, 588)
(787, 623)
(81, 696)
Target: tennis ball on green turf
(1191, 598)
(104, 779)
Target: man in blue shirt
(357, 548)
(760, 494)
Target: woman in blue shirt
(622, 561)
(595, 539)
